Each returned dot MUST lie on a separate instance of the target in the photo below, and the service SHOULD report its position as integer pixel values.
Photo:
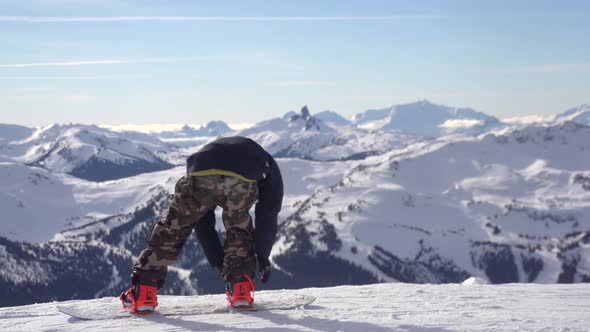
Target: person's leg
(239, 257)
(190, 202)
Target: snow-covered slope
(89, 152)
(36, 204)
(332, 118)
(427, 119)
(384, 307)
(580, 114)
(509, 208)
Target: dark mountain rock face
(56, 271)
(414, 271)
(310, 268)
(97, 169)
(310, 121)
(496, 260)
(583, 181)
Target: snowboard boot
(240, 292)
(140, 299)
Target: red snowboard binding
(140, 299)
(240, 292)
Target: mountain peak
(310, 121)
(219, 126)
(305, 112)
(186, 128)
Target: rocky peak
(310, 121)
(305, 112)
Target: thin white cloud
(380, 98)
(369, 126)
(300, 83)
(240, 126)
(106, 19)
(528, 119)
(34, 89)
(59, 78)
(543, 68)
(157, 127)
(101, 62)
(78, 98)
(461, 123)
(148, 128)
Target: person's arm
(209, 239)
(270, 199)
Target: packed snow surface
(382, 307)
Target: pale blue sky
(173, 61)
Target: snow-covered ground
(382, 307)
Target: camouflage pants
(193, 197)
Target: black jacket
(245, 157)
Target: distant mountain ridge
(89, 152)
(213, 128)
(427, 119)
(303, 135)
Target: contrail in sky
(103, 19)
(102, 62)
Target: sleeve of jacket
(270, 200)
(209, 239)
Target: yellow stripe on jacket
(214, 171)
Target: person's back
(236, 154)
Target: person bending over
(233, 173)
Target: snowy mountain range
(510, 208)
(88, 152)
(368, 200)
(303, 136)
